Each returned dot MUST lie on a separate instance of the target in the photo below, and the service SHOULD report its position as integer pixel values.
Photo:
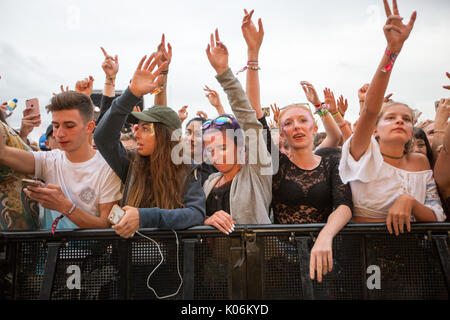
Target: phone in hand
(116, 214)
(266, 112)
(32, 182)
(33, 105)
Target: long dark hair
(156, 180)
(420, 134)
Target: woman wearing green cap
(158, 193)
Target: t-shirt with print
(87, 184)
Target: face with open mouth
(298, 128)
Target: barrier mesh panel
(96, 263)
(31, 260)
(346, 278)
(409, 266)
(281, 269)
(212, 269)
(144, 256)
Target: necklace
(392, 157)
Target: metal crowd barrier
(254, 262)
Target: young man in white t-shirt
(80, 185)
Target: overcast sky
(335, 44)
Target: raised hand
(61, 87)
(110, 65)
(202, 114)
(276, 112)
(252, 36)
(166, 54)
(4, 109)
(330, 100)
(310, 93)
(388, 97)
(395, 31)
(214, 100)
(217, 53)
(447, 87)
(212, 96)
(362, 92)
(182, 113)
(342, 105)
(144, 79)
(30, 120)
(85, 86)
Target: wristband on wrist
(158, 90)
(71, 210)
(392, 56)
(250, 65)
(336, 114)
(111, 80)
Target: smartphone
(32, 182)
(116, 214)
(266, 112)
(33, 104)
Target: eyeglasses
(218, 121)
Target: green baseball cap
(161, 114)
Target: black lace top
(219, 199)
(309, 196)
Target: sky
(334, 44)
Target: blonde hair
(303, 106)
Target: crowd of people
(234, 168)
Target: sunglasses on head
(218, 121)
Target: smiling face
(395, 125)
(145, 138)
(297, 127)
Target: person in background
(421, 145)
(47, 141)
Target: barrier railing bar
(238, 272)
(444, 256)
(189, 268)
(124, 269)
(109, 233)
(49, 271)
(304, 257)
(254, 266)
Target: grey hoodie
(251, 188)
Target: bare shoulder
(417, 162)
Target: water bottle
(11, 105)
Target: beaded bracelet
(249, 66)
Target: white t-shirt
(376, 185)
(87, 184)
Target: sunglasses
(220, 121)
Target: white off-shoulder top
(376, 184)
